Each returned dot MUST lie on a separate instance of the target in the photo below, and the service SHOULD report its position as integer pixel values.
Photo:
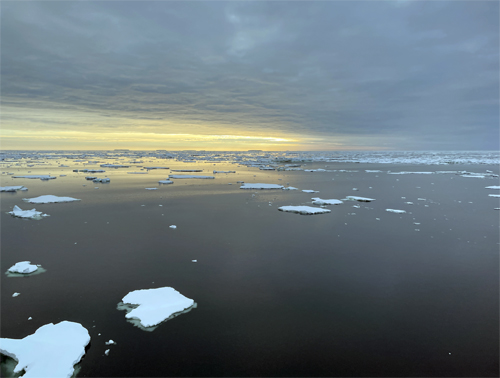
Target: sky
(239, 75)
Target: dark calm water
(278, 294)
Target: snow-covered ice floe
(319, 201)
(261, 186)
(149, 307)
(30, 214)
(23, 267)
(11, 188)
(156, 167)
(290, 188)
(41, 177)
(115, 166)
(50, 199)
(361, 199)
(52, 351)
(310, 191)
(410, 173)
(190, 177)
(304, 210)
(493, 187)
(395, 211)
(494, 195)
(165, 182)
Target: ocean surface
(359, 291)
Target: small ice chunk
(187, 170)
(30, 214)
(30, 318)
(52, 351)
(23, 267)
(173, 226)
(16, 294)
(289, 188)
(50, 199)
(190, 177)
(224, 171)
(493, 187)
(494, 195)
(395, 211)
(106, 352)
(153, 306)
(310, 191)
(165, 182)
(360, 199)
(151, 188)
(303, 210)
(110, 342)
(194, 260)
(11, 188)
(101, 180)
(319, 201)
(261, 186)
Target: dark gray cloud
(425, 72)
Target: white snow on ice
(304, 210)
(361, 199)
(310, 191)
(24, 267)
(11, 188)
(319, 201)
(50, 199)
(165, 182)
(31, 214)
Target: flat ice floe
(261, 186)
(494, 195)
(410, 173)
(151, 188)
(115, 166)
(493, 187)
(52, 351)
(304, 210)
(319, 201)
(156, 167)
(360, 199)
(23, 267)
(395, 211)
(310, 191)
(190, 177)
(290, 188)
(11, 188)
(150, 307)
(224, 171)
(41, 177)
(30, 214)
(103, 180)
(187, 170)
(165, 182)
(50, 199)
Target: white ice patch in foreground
(261, 186)
(190, 177)
(50, 199)
(24, 267)
(319, 201)
(493, 187)
(395, 211)
(361, 199)
(52, 351)
(30, 214)
(152, 306)
(10, 188)
(304, 210)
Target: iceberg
(319, 201)
(190, 177)
(24, 267)
(153, 306)
(15, 295)
(50, 199)
(261, 186)
(52, 351)
(361, 199)
(31, 214)
(395, 211)
(41, 177)
(11, 188)
(304, 210)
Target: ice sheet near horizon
(50, 199)
(30, 214)
(52, 351)
(190, 177)
(23, 267)
(155, 305)
(261, 186)
(319, 201)
(304, 210)
(11, 188)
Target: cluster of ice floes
(50, 199)
(41, 177)
(52, 351)
(319, 201)
(12, 188)
(261, 186)
(190, 177)
(304, 210)
(29, 214)
(149, 307)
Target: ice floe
(13, 295)
(493, 187)
(137, 173)
(150, 307)
(410, 173)
(30, 214)
(110, 342)
(190, 177)
(156, 167)
(290, 188)
(187, 170)
(11, 188)
(494, 195)
(23, 267)
(360, 199)
(310, 191)
(304, 210)
(151, 188)
(224, 171)
(41, 177)
(319, 201)
(52, 351)
(173, 226)
(114, 166)
(395, 211)
(165, 182)
(50, 199)
(261, 186)
(103, 180)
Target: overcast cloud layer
(388, 74)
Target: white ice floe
(410, 173)
(372, 171)
(152, 306)
(106, 352)
(11, 188)
(224, 171)
(30, 214)
(319, 201)
(304, 210)
(173, 226)
(493, 187)
(290, 188)
(157, 167)
(24, 267)
(361, 199)
(261, 186)
(14, 295)
(151, 188)
(110, 342)
(187, 170)
(101, 180)
(395, 211)
(310, 191)
(52, 351)
(494, 195)
(190, 177)
(194, 260)
(50, 199)
(165, 182)
(41, 177)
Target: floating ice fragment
(173, 226)
(115, 166)
(110, 342)
(310, 191)
(408, 173)
(319, 201)
(165, 182)
(41, 177)
(395, 211)
(24, 267)
(101, 180)
(194, 260)
(493, 187)
(224, 171)
(15, 295)
(156, 167)
(494, 195)
(106, 352)
(289, 188)
(187, 170)
(190, 177)
(151, 188)
(30, 214)
(52, 351)
(361, 199)
(137, 173)
(30, 318)
(261, 186)
(50, 199)
(11, 188)
(303, 210)
(152, 306)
